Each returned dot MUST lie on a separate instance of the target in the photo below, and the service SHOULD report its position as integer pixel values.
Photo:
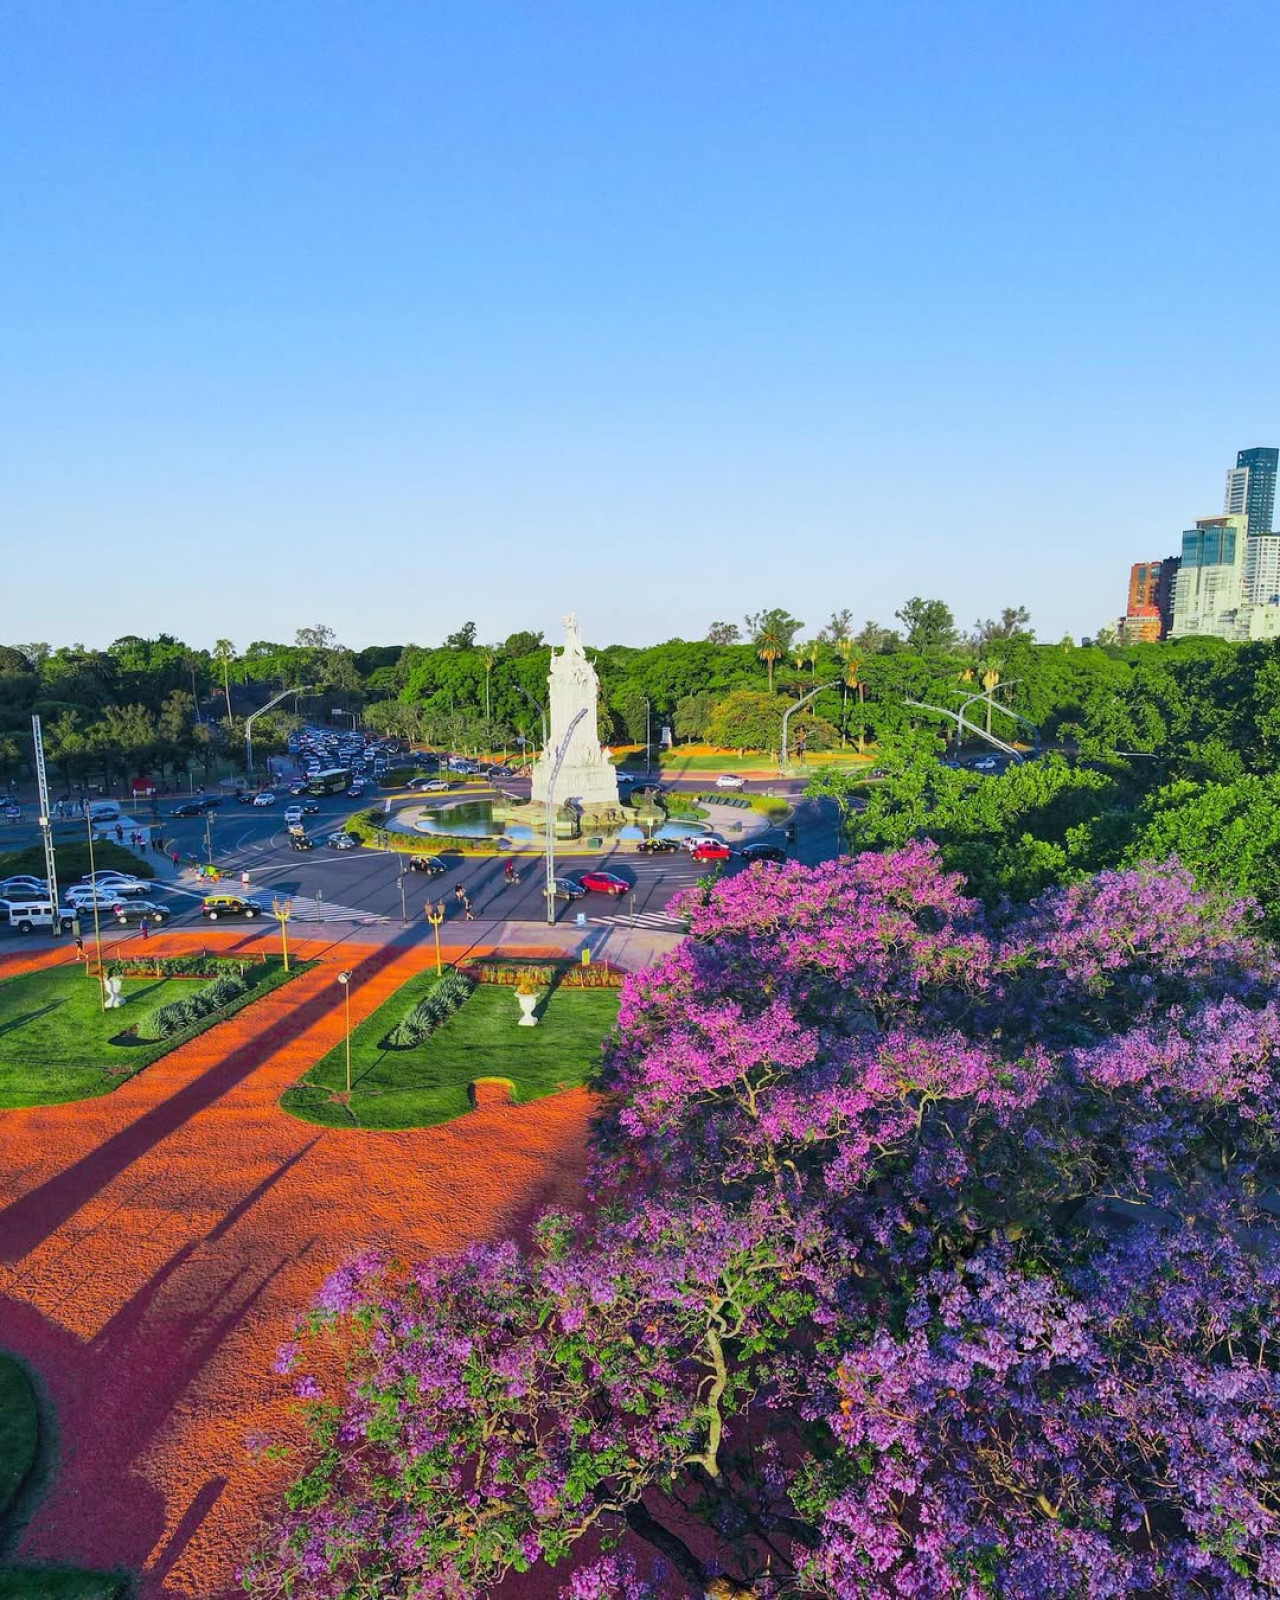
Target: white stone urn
(114, 998)
(527, 1003)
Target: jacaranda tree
(926, 1252)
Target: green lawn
(55, 1038)
(428, 1084)
(19, 1438)
(73, 859)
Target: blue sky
(394, 315)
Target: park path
(156, 1245)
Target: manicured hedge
(546, 974)
(421, 1020)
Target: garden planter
(527, 1002)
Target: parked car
(87, 900)
(118, 883)
(26, 913)
(189, 808)
(657, 847)
(569, 889)
(431, 865)
(712, 852)
(230, 905)
(266, 798)
(436, 786)
(134, 911)
(300, 841)
(342, 841)
(987, 764)
(21, 884)
(730, 780)
(763, 852)
(604, 883)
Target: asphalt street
(363, 885)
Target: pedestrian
(466, 904)
(175, 860)
(144, 927)
(79, 947)
(119, 834)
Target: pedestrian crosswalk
(306, 909)
(659, 921)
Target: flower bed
(545, 974)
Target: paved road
(359, 886)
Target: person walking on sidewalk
(144, 928)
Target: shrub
(179, 1014)
(435, 1008)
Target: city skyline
(405, 318)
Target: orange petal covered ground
(157, 1244)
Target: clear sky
(391, 315)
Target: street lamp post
(786, 718)
(97, 922)
(344, 978)
(281, 907)
(208, 836)
(551, 814)
(542, 712)
(648, 737)
(404, 915)
(435, 916)
(337, 711)
(250, 720)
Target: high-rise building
(1149, 612)
(1209, 591)
(1251, 487)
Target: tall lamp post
(344, 978)
(435, 916)
(541, 710)
(250, 720)
(648, 737)
(561, 752)
(786, 718)
(97, 921)
(281, 909)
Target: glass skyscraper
(1251, 487)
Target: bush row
(431, 1011)
(179, 1014)
(367, 827)
(196, 965)
(545, 974)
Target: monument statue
(586, 777)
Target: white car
(697, 840)
(112, 883)
(104, 897)
(292, 814)
(435, 786)
(730, 780)
(266, 798)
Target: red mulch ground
(156, 1245)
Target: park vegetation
(925, 1251)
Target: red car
(604, 882)
(711, 852)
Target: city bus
(334, 781)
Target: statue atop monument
(586, 776)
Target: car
(134, 910)
(763, 852)
(569, 889)
(230, 905)
(310, 808)
(101, 899)
(730, 780)
(300, 841)
(13, 812)
(692, 841)
(604, 883)
(189, 808)
(431, 865)
(292, 814)
(436, 786)
(20, 885)
(987, 764)
(355, 791)
(211, 802)
(245, 797)
(266, 798)
(711, 852)
(657, 847)
(342, 841)
(297, 788)
(120, 883)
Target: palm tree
(225, 652)
(990, 668)
(852, 679)
(811, 653)
(770, 647)
(488, 657)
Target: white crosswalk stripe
(306, 909)
(643, 919)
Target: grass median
(58, 1044)
(430, 1083)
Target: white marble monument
(587, 777)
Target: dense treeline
(1205, 709)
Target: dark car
(229, 905)
(134, 911)
(569, 889)
(299, 841)
(763, 852)
(604, 883)
(189, 808)
(246, 797)
(431, 865)
(310, 808)
(657, 846)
